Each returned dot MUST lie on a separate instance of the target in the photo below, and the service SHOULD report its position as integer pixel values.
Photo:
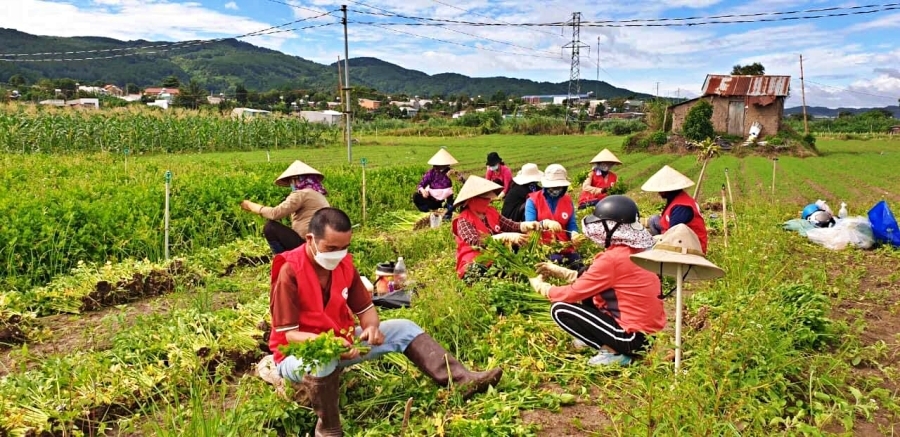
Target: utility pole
(657, 90)
(598, 58)
(347, 107)
(575, 70)
(803, 94)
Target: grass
(778, 353)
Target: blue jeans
(654, 226)
(398, 334)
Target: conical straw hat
(606, 156)
(476, 186)
(667, 179)
(555, 176)
(298, 168)
(442, 157)
(528, 174)
(679, 245)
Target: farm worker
(307, 196)
(601, 179)
(498, 173)
(555, 205)
(613, 305)
(680, 206)
(478, 220)
(435, 190)
(316, 288)
(527, 181)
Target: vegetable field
(99, 335)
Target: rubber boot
(324, 397)
(433, 360)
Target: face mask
(494, 167)
(603, 167)
(533, 187)
(444, 169)
(328, 260)
(555, 192)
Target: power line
(458, 43)
(644, 23)
(172, 47)
(307, 9)
(852, 91)
(757, 14)
(495, 19)
(453, 30)
(121, 49)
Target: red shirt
(618, 286)
(503, 173)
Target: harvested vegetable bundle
(406, 220)
(321, 350)
(517, 297)
(519, 262)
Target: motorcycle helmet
(809, 210)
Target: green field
(796, 339)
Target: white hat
(555, 176)
(606, 156)
(442, 157)
(476, 186)
(298, 168)
(528, 174)
(679, 245)
(667, 179)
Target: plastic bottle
(843, 212)
(400, 274)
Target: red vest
(315, 317)
(598, 181)
(465, 254)
(697, 224)
(564, 212)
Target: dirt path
(583, 418)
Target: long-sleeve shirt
(514, 202)
(472, 237)
(435, 179)
(679, 214)
(531, 214)
(618, 286)
(503, 174)
(300, 205)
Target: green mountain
(223, 64)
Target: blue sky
(848, 61)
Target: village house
(162, 93)
(328, 117)
(113, 90)
(369, 104)
(738, 102)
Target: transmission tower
(575, 71)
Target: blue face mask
(555, 192)
(533, 187)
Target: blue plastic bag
(884, 225)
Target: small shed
(738, 102)
(894, 130)
(328, 117)
(249, 113)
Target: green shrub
(616, 127)
(698, 123)
(659, 138)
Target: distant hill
(223, 64)
(820, 111)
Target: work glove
(510, 237)
(555, 271)
(551, 225)
(538, 284)
(530, 226)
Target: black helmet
(619, 209)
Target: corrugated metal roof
(754, 86)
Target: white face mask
(494, 167)
(328, 260)
(603, 167)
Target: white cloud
(231, 5)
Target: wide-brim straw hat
(297, 168)
(679, 245)
(555, 176)
(528, 174)
(605, 156)
(442, 157)
(667, 179)
(476, 186)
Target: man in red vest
(680, 206)
(316, 288)
(554, 204)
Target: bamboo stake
(679, 315)
(774, 165)
(728, 183)
(363, 162)
(724, 216)
(700, 179)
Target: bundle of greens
(521, 262)
(321, 350)
(516, 297)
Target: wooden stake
(679, 315)
(700, 179)
(364, 192)
(728, 183)
(724, 216)
(406, 413)
(774, 165)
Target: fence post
(363, 161)
(168, 178)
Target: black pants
(431, 204)
(596, 328)
(280, 237)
